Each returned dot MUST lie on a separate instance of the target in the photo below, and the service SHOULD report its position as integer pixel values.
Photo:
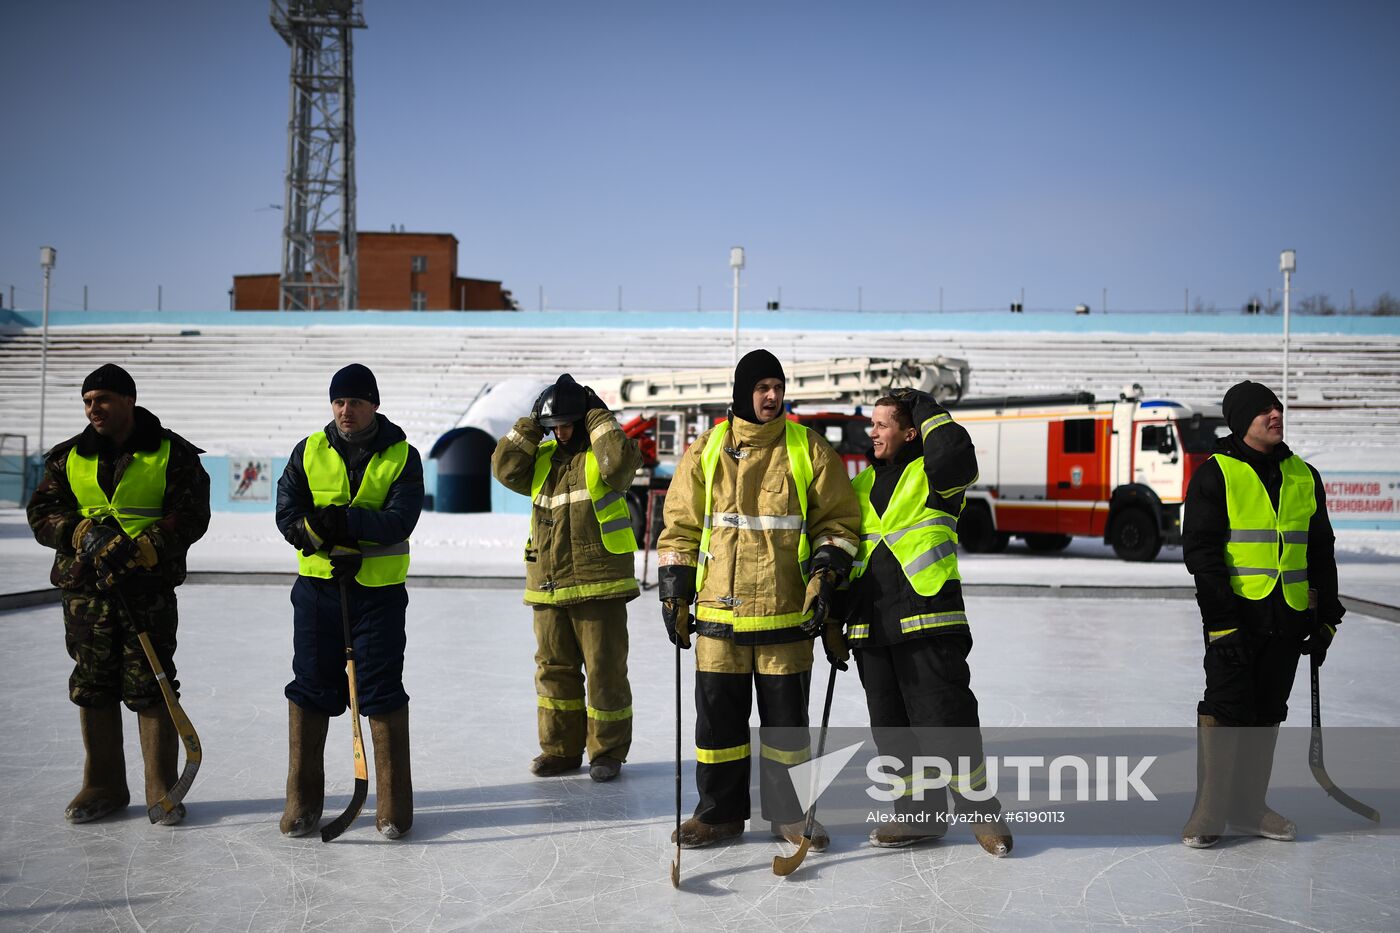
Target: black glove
(837, 651)
(345, 562)
(1318, 640)
(331, 526)
(1230, 648)
(921, 405)
(304, 539)
(592, 401)
(676, 615)
(675, 584)
(830, 566)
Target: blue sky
(866, 152)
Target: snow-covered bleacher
(256, 389)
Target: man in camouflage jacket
(118, 559)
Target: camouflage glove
(113, 555)
(345, 562)
(837, 651)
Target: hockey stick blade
(1324, 780)
(676, 870)
(784, 865)
(194, 753)
(1319, 770)
(340, 824)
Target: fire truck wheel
(977, 533)
(1135, 536)
(1047, 542)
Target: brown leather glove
(837, 651)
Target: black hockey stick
(676, 864)
(785, 865)
(194, 753)
(1320, 771)
(357, 800)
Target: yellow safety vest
(923, 540)
(383, 565)
(1268, 547)
(609, 506)
(139, 498)
(800, 469)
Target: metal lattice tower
(319, 269)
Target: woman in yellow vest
(760, 522)
(120, 503)
(1257, 539)
(907, 623)
(579, 574)
(355, 487)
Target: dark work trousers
(318, 647)
(920, 699)
(1251, 690)
(726, 678)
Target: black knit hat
(756, 365)
(111, 377)
(1244, 402)
(355, 381)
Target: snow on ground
(493, 848)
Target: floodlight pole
(736, 262)
(47, 257)
(1287, 264)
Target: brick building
(398, 272)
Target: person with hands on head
(907, 622)
(120, 504)
(348, 500)
(1257, 540)
(760, 529)
(579, 573)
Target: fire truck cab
(1059, 466)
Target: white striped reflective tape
(563, 499)
(521, 441)
(755, 522)
(602, 429)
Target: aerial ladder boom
(848, 380)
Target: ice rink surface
(494, 848)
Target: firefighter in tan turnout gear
(761, 526)
(579, 573)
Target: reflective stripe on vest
(140, 494)
(326, 475)
(800, 470)
(1265, 547)
(609, 506)
(923, 540)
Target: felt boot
(306, 770)
(393, 778)
(104, 768)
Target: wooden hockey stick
(785, 865)
(1319, 770)
(194, 753)
(357, 799)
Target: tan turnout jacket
(753, 588)
(565, 561)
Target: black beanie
(111, 377)
(355, 381)
(1244, 402)
(755, 365)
